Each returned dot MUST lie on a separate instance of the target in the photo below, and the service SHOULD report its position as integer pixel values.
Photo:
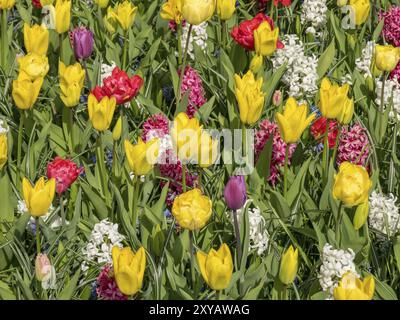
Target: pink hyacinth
(156, 125)
(192, 81)
(107, 288)
(266, 128)
(353, 145)
(391, 26)
(395, 74)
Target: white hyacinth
(314, 12)
(103, 238)
(198, 36)
(384, 213)
(106, 70)
(259, 236)
(301, 74)
(335, 263)
(391, 96)
(3, 127)
(363, 64)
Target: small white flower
(106, 70)
(363, 64)
(391, 96)
(314, 12)
(3, 127)
(384, 213)
(198, 36)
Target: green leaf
(69, 289)
(326, 59)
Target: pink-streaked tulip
(42, 267)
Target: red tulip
(318, 130)
(120, 86)
(243, 34)
(65, 172)
(262, 4)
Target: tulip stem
(4, 36)
(338, 223)
(337, 142)
(125, 53)
(136, 183)
(179, 30)
(102, 169)
(88, 82)
(191, 248)
(61, 47)
(62, 210)
(238, 240)
(223, 33)
(217, 294)
(38, 250)
(382, 108)
(19, 146)
(183, 178)
(183, 67)
(325, 155)
(285, 172)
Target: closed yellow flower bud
(72, 79)
(352, 184)
(361, 215)
(386, 57)
(63, 15)
(25, 92)
(33, 66)
(289, 266)
(198, 11)
(129, 269)
(6, 4)
(352, 288)
(116, 134)
(216, 267)
(172, 10)
(226, 8)
(361, 10)
(256, 63)
(250, 97)
(141, 156)
(208, 152)
(3, 150)
(101, 113)
(334, 102)
(38, 199)
(36, 39)
(265, 39)
(185, 134)
(293, 121)
(125, 13)
(110, 21)
(192, 209)
(101, 3)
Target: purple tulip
(82, 42)
(235, 192)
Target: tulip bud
(38, 198)
(198, 11)
(298, 25)
(256, 63)
(42, 267)
(82, 43)
(386, 57)
(289, 265)
(361, 215)
(277, 98)
(3, 150)
(235, 193)
(63, 15)
(226, 8)
(102, 3)
(116, 134)
(370, 84)
(351, 42)
(6, 4)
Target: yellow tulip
(101, 113)
(102, 3)
(216, 267)
(172, 10)
(38, 199)
(265, 39)
(129, 269)
(6, 4)
(116, 134)
(352, 288)
(72, 79)
(26, 92)
(351, 185)
(334, 102)
(63, 15)
(192, 210)
(289, 266)
(226, 8)
(125, 14)
(185, 134)
(293, 121)
(33, 66)
(386, 57)
(256, 63)
(198, 11)
(361, 215)
(250, 97)
(361, 10)
(3, 150)
(142, 156)
(36, 39)
(208, 152)
(110, 21)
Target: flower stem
(285, 172)
(19, 146)
(62, 210)
(183, 178)
(183, 67)
(136, 185)
(191, 249)
(102, 169)
(217, 294)
(179, 30)
(38, 250)
(382, 108)
(338, 223)
(4, 39)
(60, 38)
(88, 82)
(125, 53)
(337, 142)
(223, 33)
(325, 155)
(237, 236)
